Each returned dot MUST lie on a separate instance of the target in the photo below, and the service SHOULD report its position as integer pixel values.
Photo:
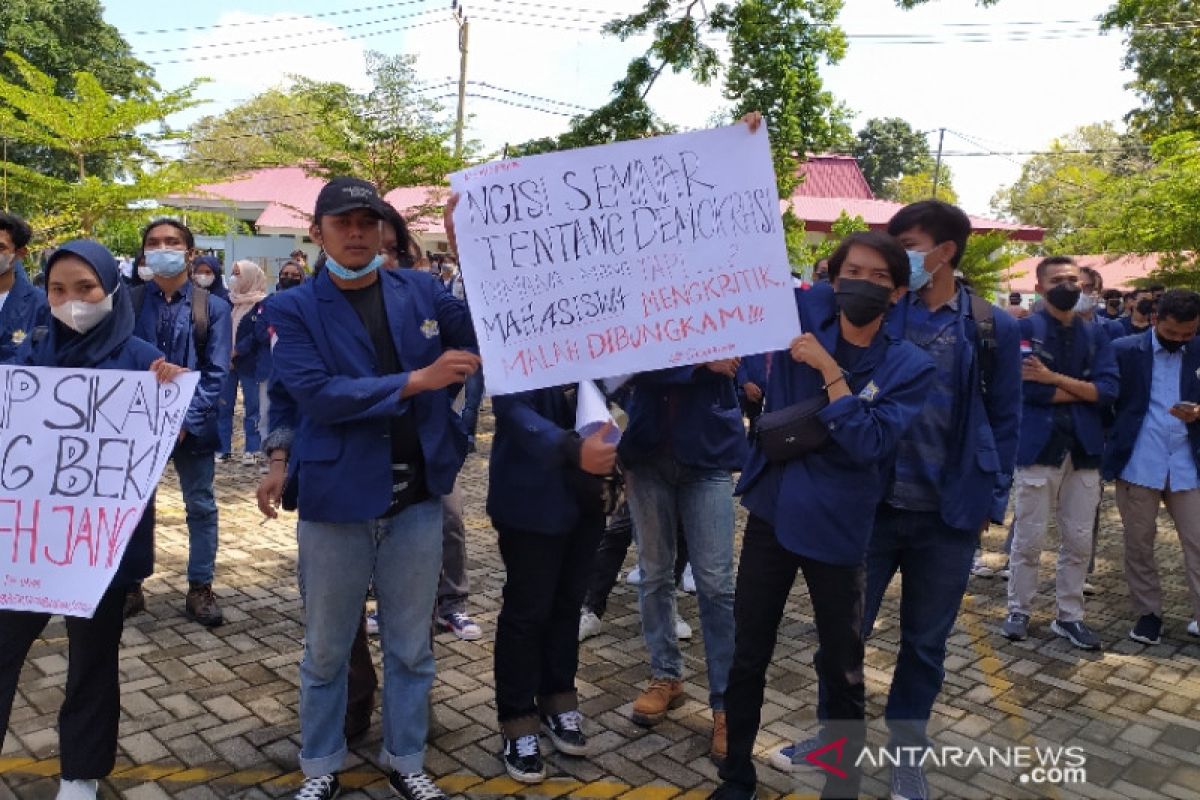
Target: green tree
(919, 186)
(1157, 210)
(805, 254)
(1066, 189)
(60, 38)
(889, 148)
(1162, 41)
(987, 258)
(82, 125)
(275, 128)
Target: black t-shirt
(408, 462)
(848, 355)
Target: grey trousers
(1139, 514)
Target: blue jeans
(472, 399)
(934, 561)
(662, 493)
(338, 561)
(250, 401)
(196, 472)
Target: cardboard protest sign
(81, 451)
(624, 258)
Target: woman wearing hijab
(92, 328)
(291, 275)
(247, 290)
(207, 274)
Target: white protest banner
(81, 450)
(624, 258)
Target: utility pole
(463, 29)
(937, 169)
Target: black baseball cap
(346, 194)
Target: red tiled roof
(290, 194)
(1118, 271)
(833, 176)
(819, 214)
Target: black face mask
(1170, 345)
(1064, 296)
(1145, 307)
(861, 301)
(289, 283)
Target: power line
(269, 20)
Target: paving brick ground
(212, 714)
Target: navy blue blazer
(1135, 362)
(534, 479)
(213, 364)
(340, 463)
(25, 309)
(252, 345)
(983, 455)
(690, 413)
(1037, 418)
(822, 505)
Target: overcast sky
(1003, 79)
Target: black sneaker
(324, 787)
(415, 786)
(565, 730)
(732, 791)
(1077, 633)
(523, 759)
(908, 782)
(1016, 626)
(1148, 629)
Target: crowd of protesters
(904, 420)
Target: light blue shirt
(1162, 455)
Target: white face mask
(80, 315)
(145, 273)
(204, 281)
(6, 262)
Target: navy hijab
(63, 347)
(218, 287)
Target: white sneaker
(634, 577)
(249, 459)
(682, 629)
(1193, 628)
(688, 581)
(373, 623)
(77, 790)
(980, 569)
(1089, 589)
(589, 624)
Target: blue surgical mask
(347, 274)
(165, 263)
(918, 278)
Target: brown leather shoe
(201, 605)
(719, 748)
(135, 601)
(652, 705)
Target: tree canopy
(887, 149)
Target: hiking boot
(566, 732)
(1078, 634)
(1148, 629)
(135, 601)
(201, 605)
(323, 787)
(523, 759)
(1016, 626)
(652, 705)
(719, 748)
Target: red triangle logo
(838, 746)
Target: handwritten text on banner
(629, 257)
(81, 450)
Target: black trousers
(610, 555)
(765, 576)
(537, 633)
(91, 709)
